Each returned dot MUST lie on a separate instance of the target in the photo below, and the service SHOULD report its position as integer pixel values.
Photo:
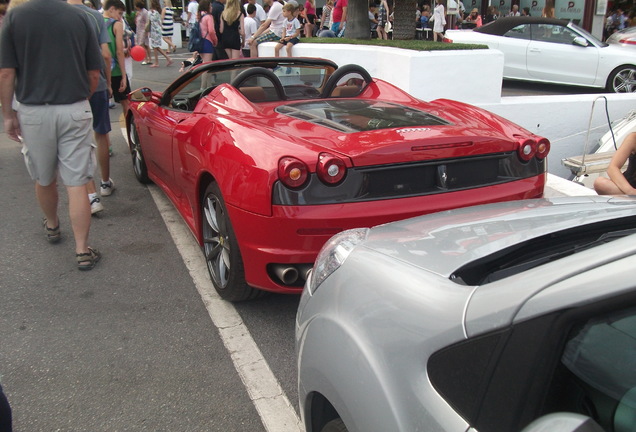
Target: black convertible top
(500, 26)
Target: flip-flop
(154, 65)
(169, 63)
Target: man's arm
(7, 88)
(264, 26)
(118, 29)
(93, 80)
(107, 61)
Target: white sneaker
(96, 206)
(107, 188)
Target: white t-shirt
(250, 28)
(261, 15)
(275, 14)
(291, 27)
(193, 8)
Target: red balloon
(138, 53)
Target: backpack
(128, 36)
(196, 40)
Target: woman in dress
(232, 28)
(167, 21)
(383, 16)
(156, 30)
(439, 20)
(141, 24)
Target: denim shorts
(101, 115)
(58, 138)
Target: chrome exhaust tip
(287, 274)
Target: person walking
(52, 83)
(232, 29)
(99, 107)
(142, 26)
(439, 20)
(113, 13)
(156, 31)
(192, 16)
(167, 22)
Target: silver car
(477, 319)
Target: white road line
(271, 402)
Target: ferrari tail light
(331, 169)
(543, 148)
(527, 149)
(628, 41)
(447, 40)
(292, 172)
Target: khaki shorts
(58, 138)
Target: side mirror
(141, 95)
(580, 41)
(563, 422)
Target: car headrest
(254, 94)
(345, 91)
(625, 415)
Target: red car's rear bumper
(295, 234)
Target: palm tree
(358, 26)
(404, 19)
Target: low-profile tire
(622, 80)
(221, 250)
(335, 425)
(138, 161)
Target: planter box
(426, 75)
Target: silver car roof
(444, 242)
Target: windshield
(354, 115)
(587, 34)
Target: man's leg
(103, 157)
(80, 213)
(47, 198)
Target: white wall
(563, 120)
(426, 75)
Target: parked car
(625, 37)
(554, 51)
(476, 319)
(266, 159)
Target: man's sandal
(87, 260)
(52, 234)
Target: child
(291, 30)
(250, 27)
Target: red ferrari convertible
(267, 158)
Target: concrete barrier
(426, 75)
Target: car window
(600, 363)
(553, 33)
(186, 95)
(519, 32)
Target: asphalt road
(134, 345)
(129, 346)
